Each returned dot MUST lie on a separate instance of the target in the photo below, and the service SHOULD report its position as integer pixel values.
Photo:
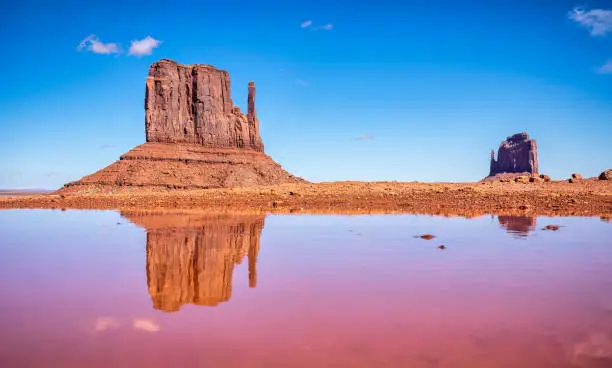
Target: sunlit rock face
(193, 104)
(191, 258)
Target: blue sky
(369, 90)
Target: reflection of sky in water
(359, 290)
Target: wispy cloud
(93, 44)
(144, 46)
(606, 68)
(302, 82)
(364, 137)
(597, 21)
(105, 146)
(327, 27)
(309, 24)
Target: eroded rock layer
(191, 257)
(517, 154)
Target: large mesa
(195, 137)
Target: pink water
(199, 290)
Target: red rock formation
(193, 104)
(191, 257)
(517, 154)
(196, 137)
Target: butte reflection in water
(191, 256)
(518, 226)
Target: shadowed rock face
(606, 175)
(191, 257)
(517, 154)
(519, 226)
(193, 104)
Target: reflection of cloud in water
(596, 350)
(518, 226)
(105, 323)
(145, 324)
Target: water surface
(101, 289)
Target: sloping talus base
(185, 166)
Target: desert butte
(202, 152)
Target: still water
(108, 289)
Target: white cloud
(93, 44)
(597, 21)
(144, 46)
(364, 137)
(105, 146)
(327, 27)
(306, 24)
(606, 68)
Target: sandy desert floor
(586, 198)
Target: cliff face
(517, 154)
(191, 257)
(193, 104)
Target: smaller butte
(195, 137)
(517, 156)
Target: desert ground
(589, 197)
